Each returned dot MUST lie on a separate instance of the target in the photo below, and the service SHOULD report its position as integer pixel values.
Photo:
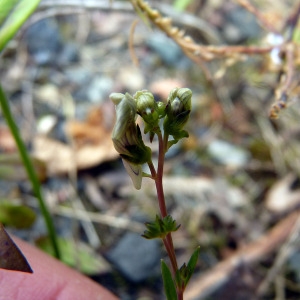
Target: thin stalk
(30, 170)
(168, 241)
(158, 180)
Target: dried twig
(206, 283)
(281, 258)
(259, 16)
(134, 58)
(282, 91)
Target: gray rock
(45, 44)
(240, 26)
(169, 52)
(68, 55)
(44, 41)
(135, 257)
(99, 89)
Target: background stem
(30, 170)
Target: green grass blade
(29, 169)
(13, 15)
(6, 8)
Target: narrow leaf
(168, 281)
(11, 258)
(6, 8)
(192, 264)
(18, 14)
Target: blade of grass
(30, 170)
(6, 8)
(18, 14)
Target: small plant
(166, 121)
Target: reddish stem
(168, 241)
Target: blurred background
(233, 185)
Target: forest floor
(233, 185)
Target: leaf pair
(182, 276)
(160, 227)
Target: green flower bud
(147, 109)
(177, 112)
(161, 108)
(150, 110)
(127, 138)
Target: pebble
(228, 154)
(169, 52)
(44, 41)
(135, 257)
(240, 25)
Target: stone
(135, 257)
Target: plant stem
(30, 170)
(168, 241)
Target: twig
(281, 258)
(281, 93)
(259, 16)
(105, 219)
(134, 58)
(202, 285)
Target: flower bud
(177, 112)
(127, 138)
(147, 107)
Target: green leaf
(6, 7)
(183, 275)
(77, 255)
(168, 281)
(192, 264)
(15, 215)
(160, 227)
(13, 15)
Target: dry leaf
(91, 144)
(61, 158)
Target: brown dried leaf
(61, 158)
(91, 143)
